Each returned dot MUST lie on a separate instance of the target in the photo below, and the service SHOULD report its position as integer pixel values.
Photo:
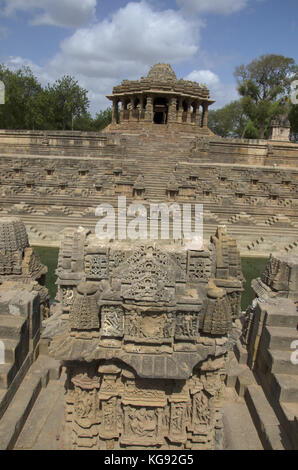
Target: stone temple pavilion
(160, 98)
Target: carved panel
(112, 321)
(178, 422)
(142, 426)
(187, 325)
(97, 266)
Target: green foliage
(265, 84)
(293, 117)
(68, 101)
(229, 121)
(103, 119)
(61, 106)
(251, 132)
(22, 92)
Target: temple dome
(161, 73)
(13, 234)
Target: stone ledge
(15, 416)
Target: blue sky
(102, 42)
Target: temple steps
(282, 319)
(285, 387)
(272, 436)
(11, 351)
(7, 374)
(38, 376)
(13, 341)
(279, 361)
(277, 338)
(42, 426)
(11, 326)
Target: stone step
(285, 387)
(239, 430)
(11, 326)
(244, 380)
(279, 362)
(7, 374)
(240, 352)
(15, 416)
(49, 407)
(283, 318)
(11, 347)
(234, 370)
(279, 338)
(289, 420)
(265, 420)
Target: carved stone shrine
(144, 331)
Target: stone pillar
(172, 113)
(197, 114)
(130, 107)
(141, 105)
(180, 110)
(149, 109)
(188, 116)
(115, 111)
(205, 115)
(122, 101)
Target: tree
(103, 119)
(293, 117)
(229, 121)
(84, 122)
(264, 85)
(68, 101)
(22, 91)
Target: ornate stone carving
(112, 321)
(153, 336)
(97, 266)
(187, 325)
(84, 312)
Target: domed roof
(13, 235)
(161, 72)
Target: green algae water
(251, 268)
(49, 257)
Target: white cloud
(72, 13)
(125, 46)
(225, 7)
(136, 37)
(222, 93)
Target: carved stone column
(205, 115)
(141, 107)
(149, 109)
(115, 111)
(188, 116)
(180, 110)
(172, 115)
(197, 114)
(122, 101)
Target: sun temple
(145, 345)
(161, 98)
